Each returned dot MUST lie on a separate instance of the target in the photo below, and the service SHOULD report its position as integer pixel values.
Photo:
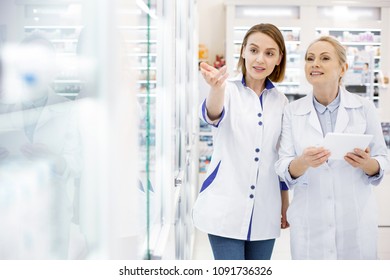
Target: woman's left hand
(362, 159)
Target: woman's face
(261, 55)
(322, 65)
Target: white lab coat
(333, 210)
(56, 128)
(241, 196)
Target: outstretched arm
(216, 79)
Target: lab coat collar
(240, 78)
(306, 105)
(347, 100)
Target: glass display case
(162, 48)
(129, 79)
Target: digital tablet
(339, 144)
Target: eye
(253, 51)
(310, 58)
(325, 58)
(270, 54)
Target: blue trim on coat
(210, 179)
(205, 118)
(261, 101)
(243, 81)
(268, 83)
(248, 237)
(283, 186)
(204, 110)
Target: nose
(315, 63)
(259, 57)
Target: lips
(258, 68)
(316, 73)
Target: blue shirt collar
(331, 107)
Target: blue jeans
(234, 249)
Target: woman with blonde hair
(333, 213)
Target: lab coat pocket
(210, 179)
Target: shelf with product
(64, 38)
(205, 136)
(142, 53)
(364, 59)
(386, 133)
(363, 34)
(290, 84)
(205, 146)
(147, 125)
(140, 43)
(163, 65)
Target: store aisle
(202, 250)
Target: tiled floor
(202, 250)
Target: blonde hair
(339, 48)
(272, 31)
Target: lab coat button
(259, 115)
(260, 123)
(251, 196)
(257, 150)
(252, 187)
(256, 159)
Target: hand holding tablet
(339, 144)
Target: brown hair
(272, 31)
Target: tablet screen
(340, 144)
